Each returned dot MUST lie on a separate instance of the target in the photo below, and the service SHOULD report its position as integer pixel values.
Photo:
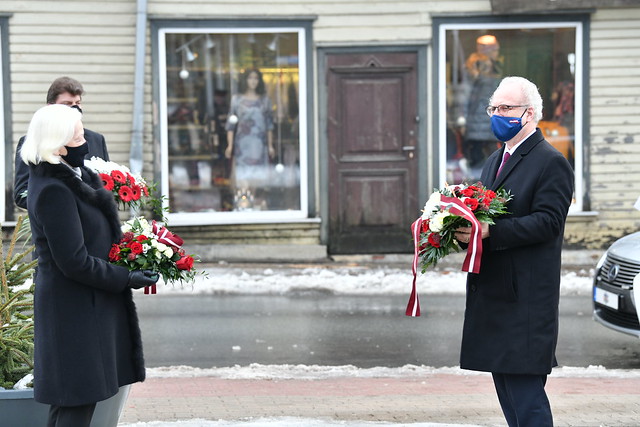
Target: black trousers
(523, 400)
(71, 416)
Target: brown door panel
(371, 131)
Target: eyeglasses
(502, 108)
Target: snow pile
(256, 371)
(341, 281)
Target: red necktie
(504, 160)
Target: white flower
(437, 221)
(432, 205)
(168, 252)
(161, 246)
(103, 166)
(145, 247)
(126, 227)
(144, 225)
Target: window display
(475, 58)
(232, 141)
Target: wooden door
(372, 128)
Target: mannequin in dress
(250, 134)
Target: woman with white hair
(87, 338)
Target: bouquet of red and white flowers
(150, 246)
(127, 188)
(464, 205)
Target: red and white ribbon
(413, 308)
(165, 236)
(471, 262)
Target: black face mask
(75, 155)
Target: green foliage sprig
(16, 310)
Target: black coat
(87, 338)
(511, 316)
(97, 148)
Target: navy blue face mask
(505, 128)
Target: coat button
(473, 288)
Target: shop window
(474, 58)
(232, 128)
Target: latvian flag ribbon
(471, 262)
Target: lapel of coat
(522, 151)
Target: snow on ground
(283, 422)
(346, 280)
(315, 372)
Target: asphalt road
(365, 331)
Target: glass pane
(232, 122)
(476, 61)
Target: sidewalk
(437, 398)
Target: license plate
(606, 298)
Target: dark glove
(141, 278)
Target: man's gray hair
(530, 93)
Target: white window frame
(234, 217)
(3, 199)
(578, 204)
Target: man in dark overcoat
(66, 91)
(511, 316)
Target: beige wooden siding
(92, 41)
(337, 21)
(615, 127)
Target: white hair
(51, 128)
(529, 91)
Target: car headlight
(601, 261)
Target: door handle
(410, 149)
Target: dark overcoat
(511, 315)
(87, 338)
(97, 148)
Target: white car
(614, 304)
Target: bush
(16, 310)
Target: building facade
(284, 129)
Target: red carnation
(107, 181)
(185, 263)
(127, 237)
(467, 192)
(434, 240)
(125, 193)
(118, 176)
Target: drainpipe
(135, 153)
